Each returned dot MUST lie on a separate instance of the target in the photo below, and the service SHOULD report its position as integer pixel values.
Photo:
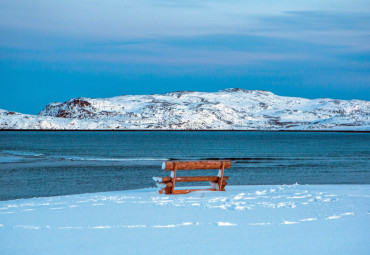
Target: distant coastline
(232, 109)
(183, 130)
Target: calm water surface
(34, 164)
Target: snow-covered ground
(287, 219)
(231, 109)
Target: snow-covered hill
(234, 108)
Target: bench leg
(221, 175)
(173, 175)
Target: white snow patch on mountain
(230, 109)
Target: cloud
(125, 20)
(86, 35)
(350, 30)
(55, 50)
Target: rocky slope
(237, 109)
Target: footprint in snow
(29, 227)
(56, 208)
(225, 224)
(333, 217)
(259, 223)
(101, 227)
(289, 222)
(27, 210)
(239, 196)
(164, 226)
(309, 219)
(258, 193)
(348, 214)
(69, 227)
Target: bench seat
(190, 179)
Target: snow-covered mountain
(234, 108)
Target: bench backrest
(195, 165)
(173, 166)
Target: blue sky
(56, 50)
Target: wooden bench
(167, 184)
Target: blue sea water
(34, 164)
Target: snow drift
(277, 219)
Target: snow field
(293, 219)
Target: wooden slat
(192, 179)
(168, 188)
(195, 165)
(185, 191)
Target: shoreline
(229, 188)
(182, 130)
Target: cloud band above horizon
(55, 50)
